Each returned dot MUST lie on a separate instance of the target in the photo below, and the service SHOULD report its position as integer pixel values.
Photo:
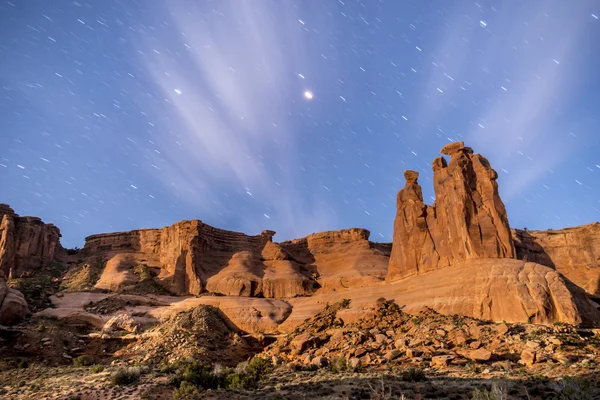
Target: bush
(83, 361)
(196, 374)
(186, 391)
(260, 368)
(496, 392)
(338, 364)
(97, 369)
(574, 389)
(126, 376)
(413, 375)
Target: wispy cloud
(228, 74)
(508, 84)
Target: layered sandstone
(467, 220)
(574, 252)
(191, 257)
(26, 243)
(339, 260)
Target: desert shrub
(186, 391)
(338, 364)
(496, 392)
(195, 373)
(202, 376)
(574, 389)
(83, 361)
(248, 375)
(413, 375)
(126, 376)
(260, 368)
(97, 369)
(381, 391)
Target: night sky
(296, 116)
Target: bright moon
(308, 95)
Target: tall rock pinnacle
(467, 220)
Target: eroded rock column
(467, 220)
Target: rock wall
(339, 260)
(574, 252)
(26, 243)
(467, 220)
(193, 257)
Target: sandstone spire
(467, 220)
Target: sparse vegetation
(187, 391)
(338, 364)
(82, 277)
(97, 369)
(83, 361)
(571, 388)
(498, 391)
(202, 376)
(126, 376)
(413, 375)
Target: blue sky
(116, 115)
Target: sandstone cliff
(190, 257)
(468, 219)
(26, 243)
(574, 252)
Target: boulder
(13, 306)
(354, 363)
(480, 355)
(121, 322)
(528, 357)
(441, 361)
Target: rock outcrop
(191, 257)
(26, 243)
(339, 260)
(574, 252)
(468, 219)
(489, 289)
(13, 306)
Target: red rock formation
(193, 257)
(491, 289)
(13, 306)
(26, 243)
(339, 260)
(468, 219)
(574, 252)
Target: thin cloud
(228, 82)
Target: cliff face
(468, 219)
(26, 243)
(191, 257)
(574, 252)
